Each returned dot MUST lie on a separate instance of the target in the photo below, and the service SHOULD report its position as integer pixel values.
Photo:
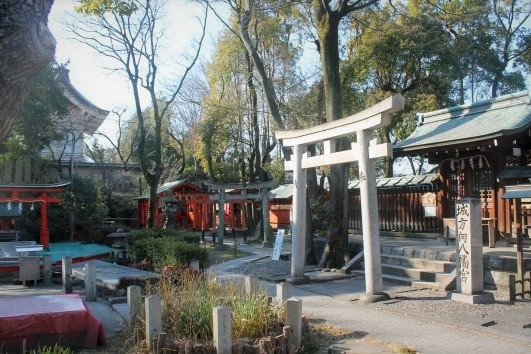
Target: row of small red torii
(365, 150)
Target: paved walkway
(424, 321)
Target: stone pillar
(222, 330)
(90, 282)
(67, 274)
(299, 218)
(248, 285)
(469, 282)
(47, 269)
(134, 301)
(284, 291)
(294, 320)
(370, 222)
(153, 319)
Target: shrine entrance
(365, 150)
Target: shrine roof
(488, 119)
(88, 117)
(515, 172)
(11, 186)
(283, 191)
(170, 186)
(402, 181)
(517, 191)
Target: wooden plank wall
(400, 209)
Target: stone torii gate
(221, 197)
(364, 151)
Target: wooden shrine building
(480, 149)
(180, 204)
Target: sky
(110, 90)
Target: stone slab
(111, 275)
(483, 298)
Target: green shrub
(159, 248)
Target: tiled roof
(165, 187)
(504, 115)
(515, 172)
(402, 181)
(282, 192)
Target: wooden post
(67, 274)
(520, 260)
(265, 218)
(44, 232)
(221, 218)
(512, 287)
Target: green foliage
(100, 7)
(85, 197)
(162, 247)
(36, 123)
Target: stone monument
(469, 282)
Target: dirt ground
(319, 338)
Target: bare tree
(128, 33)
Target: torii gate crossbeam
(364, 151)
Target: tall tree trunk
(26, 47)
(327, 22)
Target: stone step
(420, 263)
(414, 274)
(405, 281)
(410, 252)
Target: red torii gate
(34, 193)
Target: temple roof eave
(476, 123)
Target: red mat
(48, 320)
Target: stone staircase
(423, 268)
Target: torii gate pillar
(364, 151)
(298, 247)
(370, 222)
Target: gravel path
(424, 303)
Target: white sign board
(278, 244)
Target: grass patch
(188, 299)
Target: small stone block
(483, 298)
